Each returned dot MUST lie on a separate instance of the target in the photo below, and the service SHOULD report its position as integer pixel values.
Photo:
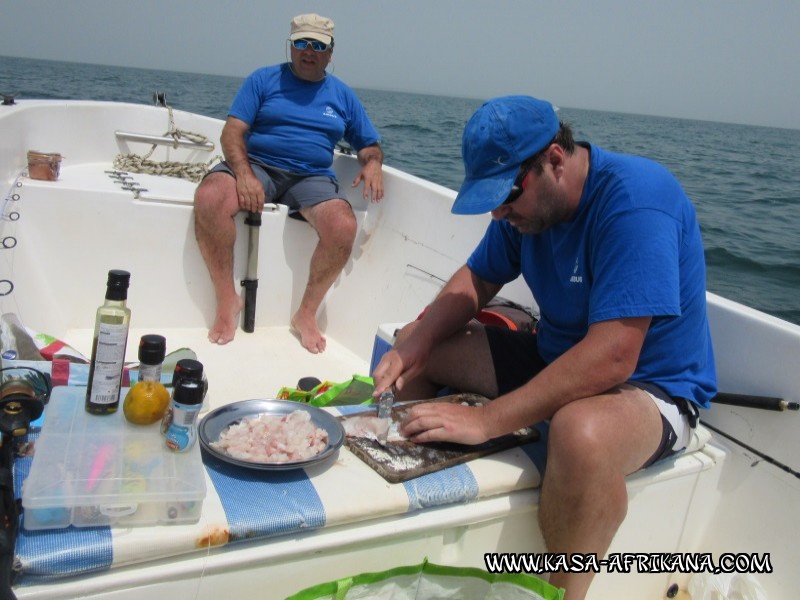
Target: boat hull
(71, 231)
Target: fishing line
(424, 272)
(758, 453)
(494, 302)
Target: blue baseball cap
(502, 134)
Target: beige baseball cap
(312, 27)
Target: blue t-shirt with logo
(633, 249)
(296, 124)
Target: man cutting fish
(610, 247)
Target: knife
(385, 402)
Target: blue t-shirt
(295, 124)
(633, 249)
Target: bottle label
(109, 360)
(181, 432)
(149, 372)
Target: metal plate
(215, 422)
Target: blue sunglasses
(316, 45)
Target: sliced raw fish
(272, 438)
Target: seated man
(610, 247)
(278, 143)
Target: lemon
(145, 403)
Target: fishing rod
(762, 402)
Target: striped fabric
(247, 504)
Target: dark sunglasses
(316, 45)
(518, 187)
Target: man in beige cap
(278, 143)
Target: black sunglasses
(316, 45)
(517, 188)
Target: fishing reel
(23, 395)
(24, 392)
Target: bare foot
(226, 323)
(310, 336)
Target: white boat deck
(99, 177)
(253, 365)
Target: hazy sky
(722, 60)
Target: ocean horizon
(743, 179)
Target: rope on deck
(194, 172)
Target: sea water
(744, 180)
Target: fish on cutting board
(371, 427)
(382, 428)
(399, 459)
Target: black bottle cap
(117, 285)
(306, 384)
(152, 349)
(188, 391)
(187, 368)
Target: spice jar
(187, 400)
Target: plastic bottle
(186, 368)
(148, 399)
(189, 368)
(108, 347)
(187, 400)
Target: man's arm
(371, 160)
(603, 360)
(458, 302)
(248, 187)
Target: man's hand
(395, 368)
(371, 159)
(445, 422)
(250, 191)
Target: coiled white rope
(135, 163)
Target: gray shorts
(295, 190)
(678, 415)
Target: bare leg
(215, 206)
(583, 498)
(336, 226)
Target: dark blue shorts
(295, 190)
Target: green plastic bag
(428, 581)
(356, 390)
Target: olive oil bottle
(108, 348)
